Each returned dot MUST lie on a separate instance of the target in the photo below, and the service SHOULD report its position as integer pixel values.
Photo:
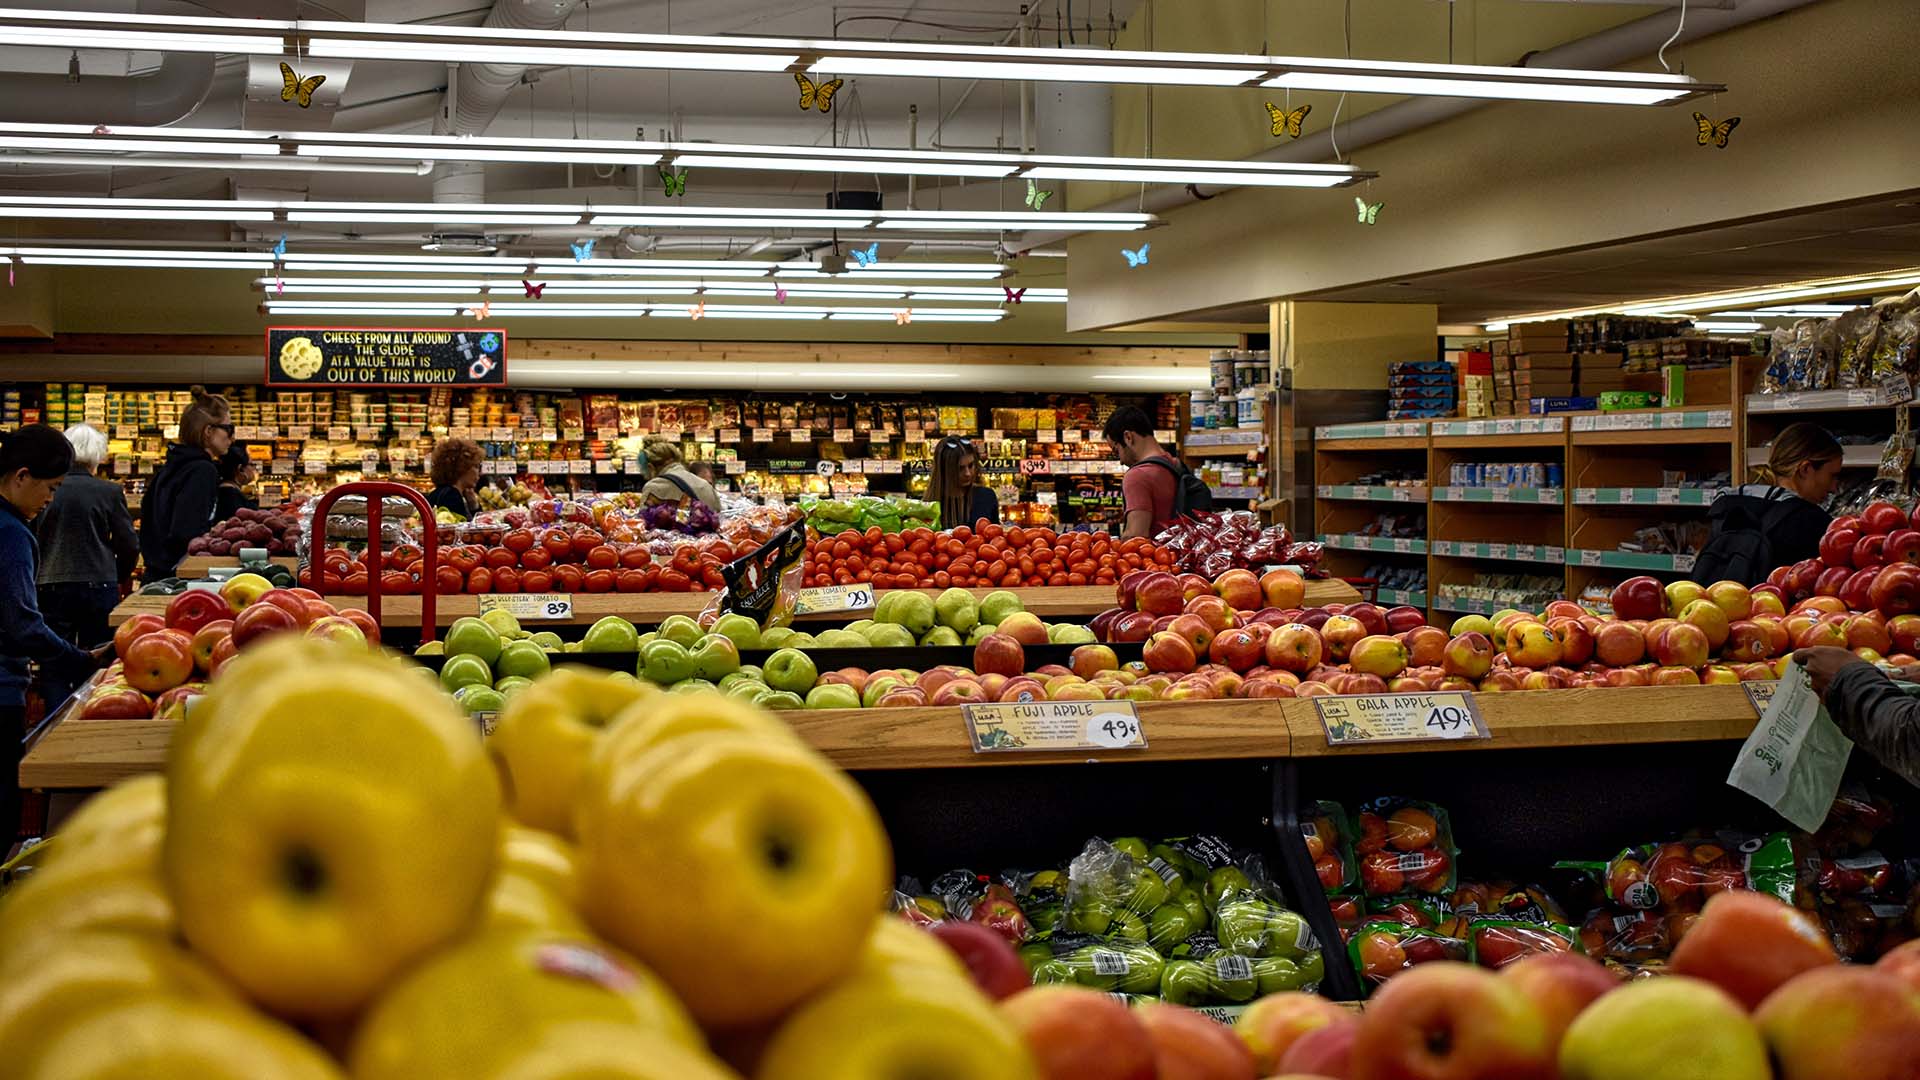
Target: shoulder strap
(679, 483)
(1172, 466)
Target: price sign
(825, 468)
(606, 434)
(1033, 466)
(313, 466)
(579, 465)
(1589, 557)
(573, 434)
(762, 434)
(915, 435)
(1054, 725)
(605, 466)
(1072, 435)
(545, 606)
(736, 467)
(125, 431)
(548, 435)
(731, 434)
(833, 599)
(1369, 718)
(1760, 695)
(842, 435)
(1896, 388)
(1047, 435)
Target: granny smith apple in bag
(1202, 971)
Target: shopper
(672, 481)
(34, 462)
(954, 486)
(181, 500)
(1158, 488)
(704, 470)
(87, 547)
(237, 473)
(455, 471)
(1779, 518)
(1867, 707)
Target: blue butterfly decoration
(489, 343)
(1136, 259)
(583, 250)
(869, 256)
(280, 248)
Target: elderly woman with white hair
(87, 545)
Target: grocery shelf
(1853, 456)
(1367, 445)
(1505, 425)
(1231, 450)
(1544, 496)
(1473, 607)
(196, 566)
(1398, 545)
(1244, 438)
(1630, 560)
(1652, 420)
(1795, 401)
(1238, 493)
(1483, 549)
(1372, 493)
(1391, 429)
(1401, 598)
(1646, 496)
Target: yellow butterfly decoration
(482, 311)
(299, 90)
(822, 94)
(1287, 123)
(902, 318)
(1716, 134)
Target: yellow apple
(517, 902)
(896, 1023)
(328, 824)
(241, 590)
(111, 814)
(897, 945)
(56, 979)
(544, 735)
(473, 1009)
(542, 858)
(180, 1038)
(111, 886)
(745, 870)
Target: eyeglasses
(228, 428)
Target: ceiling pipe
(166, 95)
(1607, 49)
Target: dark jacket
(1792, 525)
(179, 506)
(1880, 719)
(450, 498)
(86, 533)
(981, 503)
(230, 499)
(24, 635)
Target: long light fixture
(514, 286)
(451, 44)
(535, 269)
(1853, 285)
(544, 309)
(505, 215)
(213, 144)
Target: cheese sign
(349, 356)
(1369, 718)
(834, 599)
(542, 606)
(1053, 725)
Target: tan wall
(1348, 346)
(1826, 95)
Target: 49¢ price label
(1054, 725)
(528, 606)
(1369, 718)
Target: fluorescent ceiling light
(827, 57)
(1884, 281)
(1716, 326)
(513, 286)
(336, 147)
(544, 309)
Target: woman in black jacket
(87, 545)
(236, 472)
(1779, 518)
(455, 470)
(185, 492)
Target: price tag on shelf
(1402, 544)
(1590, 557)
(842, 435)
(1896, 389)
(631, 467)
(122, 465)
(1499, 551)
(549, 435)
(1719, 418)
(126, 431)
(1503, 427)
(703, 434)
(854, 465)
(281, 467)
(1501, 495)
(579, 465)
(915, 435)
(298, 431)
(1033, 466)
(1072, 435)
(366, 434)
(1666, 496)
(1371, 718)
(312, 466)
(1760, 695)
(1054, 725)
(736, 467)
(1862, 398)
(1047, 435)
(824, 468)
(833, 599)
(730, 435)
(573, 434)
(542, 606)
(1166, 438)
(606, 434)
(761, 434)
(883, 431)
(991, 435)
(604, 467)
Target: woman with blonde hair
(671, 481)
(1778, 519)
(181, 500)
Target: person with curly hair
(455, 471)
(671, 481)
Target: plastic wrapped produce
(1380, 950)
(1405, 845)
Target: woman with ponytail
(1779, 518)
(185, 493)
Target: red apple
(1857, 591)
(999, 654)
(1639, 598)
(1747, 641)
(1452, 1021)
(1124, 592)
(195, 608)
(1297, 648)
(206, 638)
(1271, 1025)
(1238, 648)
(365, 622)
(1426, 645)
(1341, 633)
(116, 702)
(959, 692)
(1169, 651)
(1576, 644)
(1074, 1033)
(1240, 589)
(1213, 610)
(287, 600)
(159, 661)
(1905, 631)
(1371, 616)
(259, 620)
(1131, 626)
(1160, 594)
(135, 627)
(1188, 1045)
(1681, 645)
(1196, 629)
(1836, 545)
(1282, 589)
(1882, 517)
(1089, 660)
(1403, 618)
(1470, 655)
(1749, 944)
(1896, 590)
(1325, 1052)
(1560, 984)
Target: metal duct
(166, 95)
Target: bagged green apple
(1120, 966)
(1111, 892)
(1329, 839)
(1042, 895)
(1381, 950)
(1405, 845)
(1497, 942)
(1204, 972)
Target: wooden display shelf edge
(1567, 718)
(1393, 442)
(196, 566)
(1487, 442)
(1654, 436)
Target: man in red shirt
(1149, 486)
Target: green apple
(941, 636)
(1195, 904)
(665, 663)
(876, 687)
(979, 633)
(914, 610)
(503, 622)
(1169, 925)
(546, 639)
(1143, 972)
(840, 639)
(570, 647)
(752, 671)
(780, 700)
(802, 640)
(1135, 847)
(691, 686)
(623, 676)
(1223, 883)
(645, 640)
(996, 606)
(1033, 954)
(833, 696)
(887, 610)
(1149, 891)
(611, 634)
(791, 670)
(469, 636)
(465, 670)
(734, 678)
(890, 636)
(1070, 634)
(1184, 982)
(775, 637)
(957, 610)
(1277, 973)
(482, 699)
(522, 658)
(1128, 926)
(511, 683)
(682, 629)
(431, 648)
(740, 629)
(744, 689)
(1089, 918)
(861, 626)
(715, 656)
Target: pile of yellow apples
(336, 876)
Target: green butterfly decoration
(1037, 196)
(674, 182)
(1368, 213)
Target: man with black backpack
(1158, 487)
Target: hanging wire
(1333, 129)
(1674, 38)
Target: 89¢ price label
(528, 606)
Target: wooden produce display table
(196, 566)
(651, 607)
(95, 753)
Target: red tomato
(498, 557)
(586, 540)
(506, 579)
(599, 581)
(536, 581)
(634, 556)
(568, 577)
(675, 581)
(602, 557)
(446, 579)
(395, 583)
(481, 580)
(535, 558)
(558, 544)
(518, 540)
(630, 581)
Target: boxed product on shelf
(1616, 400)
(1543, 405)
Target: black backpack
(1190, 493)
(1738, 548)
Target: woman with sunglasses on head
(185, 493)
(954, 486)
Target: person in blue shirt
(33, 462)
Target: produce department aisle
(651, 607)
(81, 754)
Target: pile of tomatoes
(994, 556)
(564, 559)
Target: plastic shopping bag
(1795, 757)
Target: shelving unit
(1853, 414)
(1482, 533)
(1343, 455)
